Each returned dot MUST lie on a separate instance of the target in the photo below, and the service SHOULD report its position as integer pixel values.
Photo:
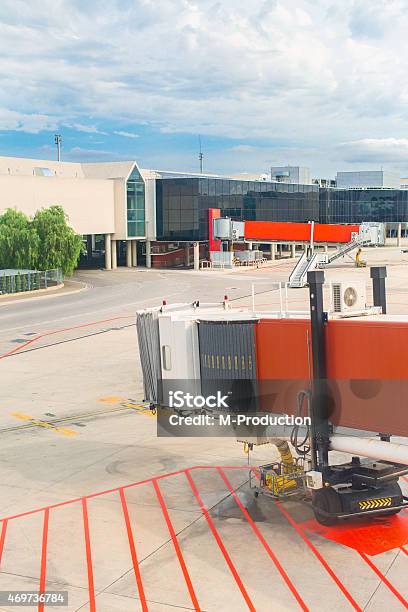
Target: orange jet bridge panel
(298, 232)
(367, 369)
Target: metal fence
(17, 281)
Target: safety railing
(19, 281)
(205, 264)
(210, 265)
(255, 263)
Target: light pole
(57, 140)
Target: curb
(50, 292)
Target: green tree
(19, 241)
(60, 246)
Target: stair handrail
(297, 266)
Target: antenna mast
(200, 155)
(57, 140)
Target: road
(74, 357)
(120, 293)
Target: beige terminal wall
(89, 203)
(120, 209)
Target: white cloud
(25, 122)
(304, 73)
(83, 154)
(88, 129)
(126, 134)
(388, 150)
(243, 148)
(380, 143)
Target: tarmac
(93, 503)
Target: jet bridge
(368, 234)
(345, 237)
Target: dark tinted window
(182, 204)
(358, 205)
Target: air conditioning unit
(348, 297)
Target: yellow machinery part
(285, 455)
(280, 484)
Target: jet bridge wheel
(327, 500)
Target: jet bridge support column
(320, 428)
(378, 275)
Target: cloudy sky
(315, 82)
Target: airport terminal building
(130, 216)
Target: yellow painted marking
(22, 416)
(112, 399)
(64, 431)
(139, 408)
(126, 403)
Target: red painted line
(116, 489)
(220, 543)
(224, 467)
(176, 546)
(404, 551)
(264, 543)
(91, 586)
(133, 551)
(92, 495)
(44, 557)
(319, 557)
(3, 537)
(59, 331)
(385, 580)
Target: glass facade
(358, 205)
(135, 202)
(182, 204)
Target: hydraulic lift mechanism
(360, 487)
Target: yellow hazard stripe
(372, 504)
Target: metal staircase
(305, 264)
(369, 234)
(353, 244)
(298, 277)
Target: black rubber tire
(326, 499)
